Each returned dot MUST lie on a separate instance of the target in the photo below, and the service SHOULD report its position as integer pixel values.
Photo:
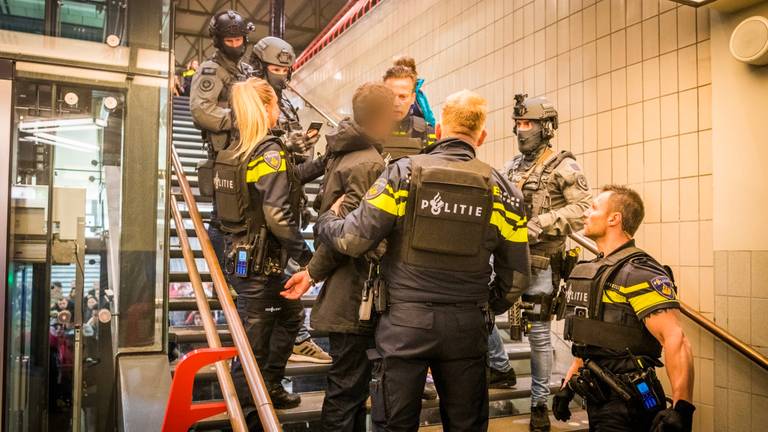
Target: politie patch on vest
(663, 286)
(209, 71)
(206, 84)
(376, 189)
(273, 159)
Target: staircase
(185, 334)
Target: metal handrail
(719, 332)
(253, 376)
(236, 417)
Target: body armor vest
(591, 322)
(448, 212)
(406, 143)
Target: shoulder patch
(273, 159)
(209, 71)
(575, 166)
(376, 189)
(581, 180)
(663, 286)
(206, 84)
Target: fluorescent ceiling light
(39, 140)
(27, 126)
(67, 141)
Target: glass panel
(66, 190)
(23, 15)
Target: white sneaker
(309, 351)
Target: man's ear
(614, 219)
(438, 131)
(481, 138)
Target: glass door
(65, 190)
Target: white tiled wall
(631, 82)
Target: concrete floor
(578, 422)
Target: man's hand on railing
(297, 285)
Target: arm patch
(664, 286)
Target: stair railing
(236, 417)
(719, 332)
(256, 385)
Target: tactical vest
(406, 143)
(534, 183)
(235, 210)
(448, 212)
(591, 322)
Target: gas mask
(529, 141)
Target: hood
(349, 137)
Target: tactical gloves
(534, 231)
(677, 419)
(560, 402)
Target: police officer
(272, 59)
(622, 310)
(443, 213)
(412, 132)
(556, 195)
(257, 199)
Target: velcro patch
(206, 84)
(663, 286)
(376, 189)
(273, 159)
(209, 71)
(582, 181)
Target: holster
(205, 177)
(380, 295)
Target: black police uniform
(444, 213)
(270, 321)
(410, 136)
(608, 299)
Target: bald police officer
(444, 214)
(622, 310)
(556, 195)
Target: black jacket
(382, 214)
(355, 162)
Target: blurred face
(404, 95)
(92, 303)
(233, 42)
(600, 217)
(278, 70)
(195, 64)
(62, 304)
(273, 112)
(198, 320)
(381, 128)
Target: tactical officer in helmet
(444, 214)
(412, 132)
(272, 59)
(257, 193)
(622, 310)
(556, 195)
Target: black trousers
(271, 327)
(348, 383)
(452, 340)
(617, 416)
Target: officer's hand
(336, 207)
(534, 231)
(306, 216)
(677, 419)
(297, 285)
(296, 142)
(560, 403)
(377, 252)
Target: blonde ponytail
(250, 100)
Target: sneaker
(309, 351)
(281, 399)
(498, 379)
(539, 419)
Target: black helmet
(273, 51)
(544, 115)
(229, 24)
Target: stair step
(176, 253)
(189, 303)
(184, 277)
(194, 334)
(208, 373)
(312, 402)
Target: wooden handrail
(253, 376)
(719, 332)
(236, 417)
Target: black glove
(560, 402)
(534, 231)
(298, 143)
(497, 300)
(677, 419)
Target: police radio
(242, 258)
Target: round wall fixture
(110, 103)
(113, 41)
(71, 98)
(749, 41)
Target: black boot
(498, 379)
(281, 399)
(539, 418)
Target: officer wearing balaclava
(556, 196)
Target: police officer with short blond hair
(444, 214)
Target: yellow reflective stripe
(613, 297)
(508, 231)
(500, 207)
(260, 159)
(388, 204)
(401, 193)
(633, 288)
(647, 300)
(260, 170)
(432, 135)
